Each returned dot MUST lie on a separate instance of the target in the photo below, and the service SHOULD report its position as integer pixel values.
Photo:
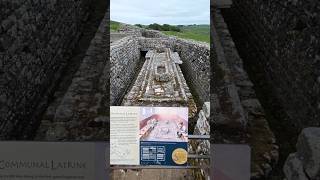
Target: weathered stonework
(305, 163)
(281, 38)
(84, 109)
(196, 66)
(188, 65)
(237, 113)
(36, 40)
(124, 59)
(154, 88)
(147, 44)
(193, 55)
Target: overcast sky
(161, 11)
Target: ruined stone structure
(285, 35)
(278, 43)
(37, 42)
(238, 117)
(194, 55)
(55, 68)
(149, 68)
(83, 110)
(161, 83)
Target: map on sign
(148, 135)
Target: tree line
(164, 27)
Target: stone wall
(196, 67)
(239, 118)
(152, 34)
(282, 37)
(125, 55)
(36, 40)
(147, 44)
(84, 109)
(137, 31)
(124, 59)
(201, 147)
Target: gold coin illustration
(179, 156)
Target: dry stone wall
(124, 59)
(196, 66)
(282, 38)
(238, 115)
(84, 109)
(36, 39)
(195, 57)
(125, 56)
(147, 44)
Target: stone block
(308, 150)
(293, 168)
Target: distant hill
(114, 25)
(195, 32)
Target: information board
(148, 135)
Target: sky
(172, 12)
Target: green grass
(114, 26)
(195, 32)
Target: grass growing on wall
(114, 26)
(195, 32)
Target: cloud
(161, 11)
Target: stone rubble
(305, 163)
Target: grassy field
(114, 26)
(195, 32)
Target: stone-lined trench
(42, 47)
(78, 108)
(281, 125)
(135, 80)
(238, 116)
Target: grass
(114, 26)
(194, 32)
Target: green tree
(155, 26)
(166, 27)
(139, 25)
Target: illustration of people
(152, 123)
(181, 129)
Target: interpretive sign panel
(148, 135)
